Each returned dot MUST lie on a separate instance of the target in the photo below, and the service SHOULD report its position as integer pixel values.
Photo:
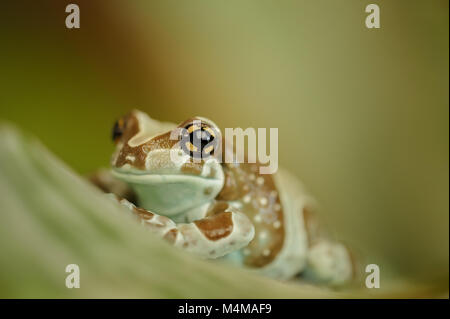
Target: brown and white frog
(214, 209)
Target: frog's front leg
(216, 235)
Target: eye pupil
(198, 137)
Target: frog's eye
(117, 130)
(199, 139)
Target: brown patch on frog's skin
(192, 168)
(217, 207)
(139, 152)
(217, 226)
(143, 213)
(171, 235)
(230, 190)
(259, 198)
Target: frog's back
(274, 203)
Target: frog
(219, 210)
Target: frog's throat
(171, 194)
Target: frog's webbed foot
(214, 236)
(106, 182)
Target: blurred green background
(363, 114)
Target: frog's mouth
(131, 176)
(210, 169)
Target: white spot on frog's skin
(277, 224)
(126, 166)
(260, 181)
(252, 177)
(257, 218)
(130, 158)
(127, 204)
(263, 235)
(266, 252)
(236, 204)
(263, 201)
(246, 199)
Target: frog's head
(172, 168)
